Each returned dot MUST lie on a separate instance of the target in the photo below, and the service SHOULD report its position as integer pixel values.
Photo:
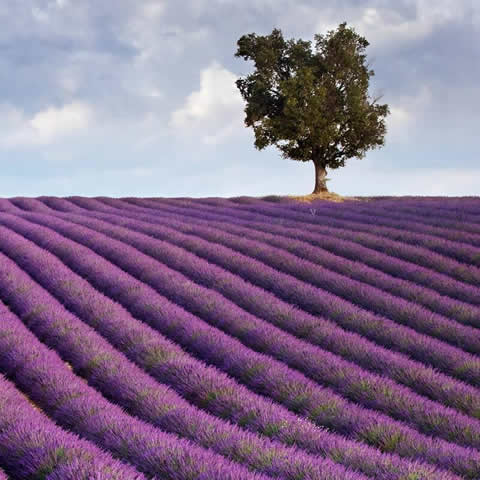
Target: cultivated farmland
(241, 338)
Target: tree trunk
(320, 176)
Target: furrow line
(77, 406)
(144, 345)
(388, 397)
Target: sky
(138, 98)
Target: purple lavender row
(409, 270)
(397, 401)
(224, 310)
(31, 445)
(56, 203)
(432, 215)
(383, 238)
(462, 210)
(7, 206)
(459, 308)
(29, 204)
(182, 418)
(259, 245)
(355, 291)
(77, 406)
(203, 383)
(461, 224)
(460, 244)
(460, 311)
(418, 211)
(420, 248)
(338, 255)
(385, 227)
(342, 250)
(418, 346)
(266, 376)
(316, 330)
(443, 236)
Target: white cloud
(39, 15)
(386, 28)
(58, 4)
(406, 113)
(53, 121)
(140, 30)
(43, 127)
(42, 16)
(148, 31)
(215, 110)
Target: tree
(312, 106)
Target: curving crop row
(90, 204)
(260, 245)
(397, 218)
(56, 203)
(77, 256)
(417, 249)
(422, 208)
(253, 369)
(263, 304)
(436, 235)
(393, 225)
(30, 204)
(420, 217)
(430, 417)
(144, 345)
(460, 273)
(346, 378)
(319, 302)
(432, 211)
(31, 445)
(77, 406)
(9, 207)
(170, 364)
(345, 261)
(388, 262)
(421, 245)
(342, 256)
(457, 209)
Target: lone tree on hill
(316, 103)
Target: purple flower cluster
(319, 301)
(138, 341)
(259, 372)
(264, 305)
(124, 331)
(461, 249)
(369, 389)
(239, 339)
(31, 445)
(390, 261)
(76, 405)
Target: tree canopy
(314, 106)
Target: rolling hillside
(241, 338)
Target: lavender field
(241, 338)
